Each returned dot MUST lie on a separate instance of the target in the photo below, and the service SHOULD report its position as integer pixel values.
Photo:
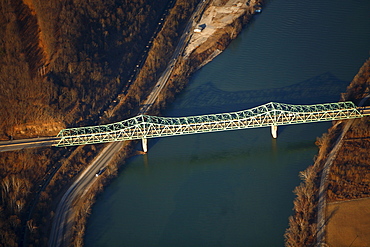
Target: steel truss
(270, 114)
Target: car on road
(100, 172)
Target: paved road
(63, 215)
(63, 218)
(185, 37)
(50, 141)
(321, 217)
(207, 124)
(27, 143)
(161, 83)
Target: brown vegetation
(61, 62)
(163, 45)
(25, 98)
(215, 44)
(21, 173)
(302, 224)
(156, 61)
(349, 175)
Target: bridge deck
(270, 114)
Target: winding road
(63, 218)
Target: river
(235, 188)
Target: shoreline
(323, 189)
(323, 182)
(195, 59)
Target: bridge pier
(144, 143)
(274, 131)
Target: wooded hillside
(61, 63)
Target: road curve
(63, 218)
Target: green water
(235, 188)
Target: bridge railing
(270, 114)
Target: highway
(50, 141)
(145, 126)
(28, 143)
(162, 81)
(63, 218)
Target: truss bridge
(270, 114)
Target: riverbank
(52, 67)
(346, 177)
(184, 68)
(219, 18)
(204, 153)
(204, 46)
(347, 212)
(222, 22)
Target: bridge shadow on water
(207, 99)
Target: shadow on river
(207, 99)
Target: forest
(62, 64)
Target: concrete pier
(274, 131)
(144, 142)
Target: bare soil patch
(348, 223)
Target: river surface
(235, 188)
